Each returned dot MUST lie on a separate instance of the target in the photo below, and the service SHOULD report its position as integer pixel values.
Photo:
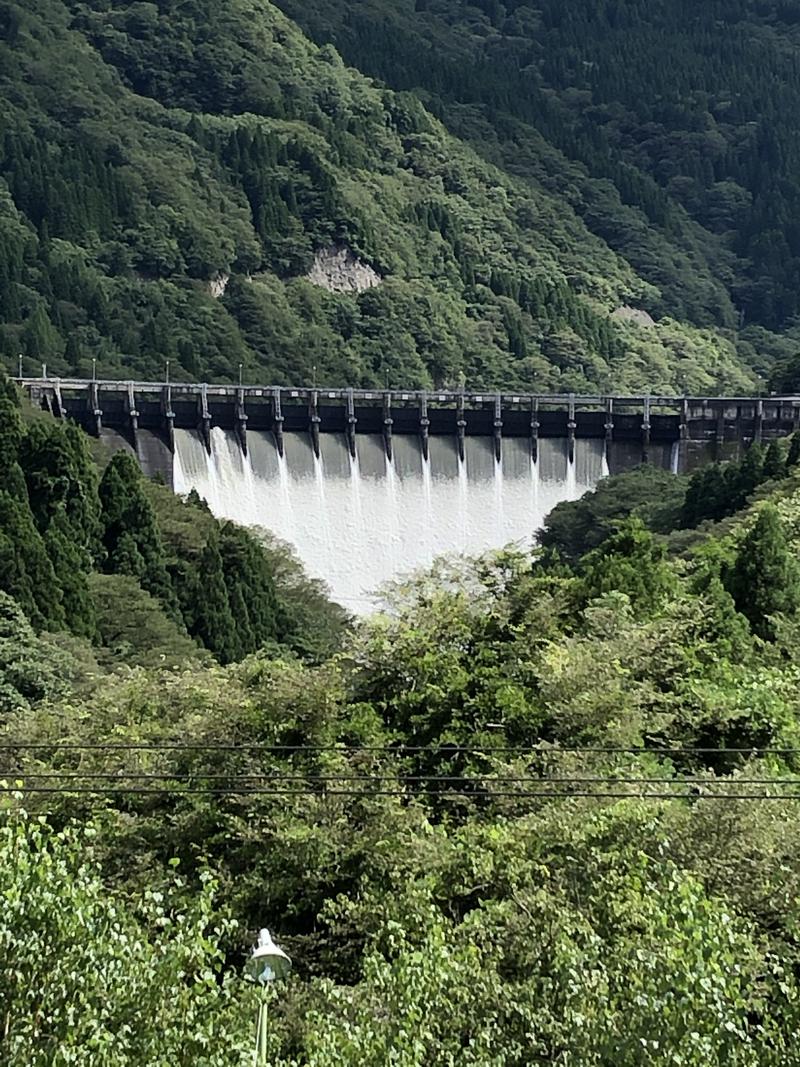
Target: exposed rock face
(634, 315)
(218, 285)
(339, 271)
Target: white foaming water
(356, 523)
(675, 458)
(572, 477)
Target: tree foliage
(94, 978)
(31, 669)
(632, 562)
(533, 811)
(573, 528)
(61, 526)
(433, 841)
(131, 538)
(676, 148)
(765, 578)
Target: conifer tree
(243, 639)
(26, 572)
(707, 496)
(131, 538)
(750, 474)
(251, 589)
(10, 426)
(61, 485)
(631, 561)
(794, 451)
(60, 475)
(765, 578)
(73, 353)
(211, 619)
(775, 461)
(14, 580)
(72, 568)
(42, 341)
(725, 626)
(731, 498)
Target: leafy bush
(651, 494)
(93, 978)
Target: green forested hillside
(148, 151)
(540, 810)
(99, 553)
(670, 126)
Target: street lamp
(267, 963)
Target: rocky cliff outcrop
(635, 315)
(339, 271)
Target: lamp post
(267, 963)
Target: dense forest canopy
(674, 124)
(169, 173)
(538, 810)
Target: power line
(392, 750)
(402, 779)
(518, 794)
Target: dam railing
(704, 428)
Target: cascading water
(321, 508)
(357, 523)
(355, 489)
(675, 458)
(498, 500)
(572, 477)
(604, 468)
(394, 523)
(463, 503)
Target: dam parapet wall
(692, 430)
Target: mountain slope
(154, 153)
(689, 111)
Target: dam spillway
(357, 522)
(369, 485)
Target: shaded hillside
(168, 173)
(671, 127)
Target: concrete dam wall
(368, 485)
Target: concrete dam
(368, 485)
